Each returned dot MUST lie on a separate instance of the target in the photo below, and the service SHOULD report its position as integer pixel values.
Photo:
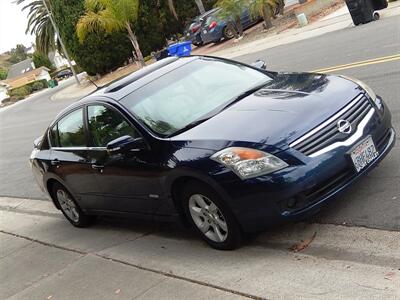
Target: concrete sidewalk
(43, 257)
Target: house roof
(20, 68)
(30, 75)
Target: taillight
(212, 25)
(195, 28)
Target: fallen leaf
(118, 291)
(390, 275)
(303, 244)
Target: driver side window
(106, 124)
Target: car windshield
(190, 93)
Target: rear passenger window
(69, 131)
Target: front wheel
(70, 208)
(212, 220)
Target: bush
(21, 92)
(25, 90)
(37, 86)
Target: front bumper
(301, 190)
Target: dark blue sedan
(215, 27)
(227, 147)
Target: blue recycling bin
(180, 49)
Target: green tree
(41, 60)
(18, 54)
(101, 52)
(3, 74)
(111, 16)
(40, 25)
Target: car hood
(279, 113)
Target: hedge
(25, 90)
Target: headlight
(368, 90)
(248, 163)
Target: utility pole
(61, 42)
(200, 5)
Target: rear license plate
(363, 154)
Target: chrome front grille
(328, 133)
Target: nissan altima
(228, 148)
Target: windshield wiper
(210, 115)
(188, 126)
(243, 95)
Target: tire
(210, 217)
(70, 208)
(227, 33)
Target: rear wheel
(70, 208)
(212, 220)
(228, 33)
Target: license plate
(364, 154)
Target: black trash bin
(361, 11)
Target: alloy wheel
(67, 205)
(208, 218)
(228, 33)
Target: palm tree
(171, 6)
(233, 10)
(40, 25)
(268, 9)
(111, 16)
(264, 8)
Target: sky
(12, 26)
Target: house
(20, 68)
(57, 60)
(28, 77)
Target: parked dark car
(215, 27)
(64, 74)
(192, 30)
(228, 147)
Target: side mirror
(260, 64)
(38, 142)
(126, 143)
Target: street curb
(359, 244)
(30, 206)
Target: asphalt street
(374, 202)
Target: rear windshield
(189, 93)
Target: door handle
(97, 167)
(55, 162)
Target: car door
(69, 160)
(128, 181)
